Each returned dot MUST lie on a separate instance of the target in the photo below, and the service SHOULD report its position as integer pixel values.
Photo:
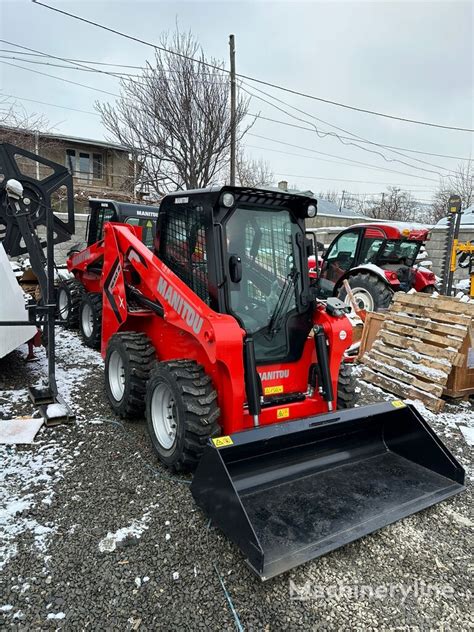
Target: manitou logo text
(181, 307)
(274, 375)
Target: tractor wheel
(370, 292)
(90, 319)
(429, 289)
(128, 362)
(182, 413)
(346, 387)
(69, 295)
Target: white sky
(410, 59)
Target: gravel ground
(94, 534)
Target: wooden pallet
(419, 342)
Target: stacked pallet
(418, 344)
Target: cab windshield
(265, 241)
(399, 252)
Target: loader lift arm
(25, 205)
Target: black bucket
(288, 493)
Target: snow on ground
(28, 477)
(134, 530)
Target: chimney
(283, 185)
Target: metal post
(342, 200)
(233, 131)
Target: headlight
(228, 200)
(311, 211)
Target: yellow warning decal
(397, 403)
(220, 442)
(283, 413)
(273, 390)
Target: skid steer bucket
(288, 493)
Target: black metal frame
(22, 220)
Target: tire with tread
(195, 410)
(378, 289)
(93, 301)
(346, 387)
(74, 291)
(138, 358)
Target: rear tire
(90, 319)
(370, 291)
(429, 289)
(69, 296)
(182, 413)
(346, 387)
(128, 363)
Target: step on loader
(219, 339)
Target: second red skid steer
(219, 339)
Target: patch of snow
(135, 530)
(56, 410)
(468, 434)
(175, 575)
(57, 615)
(6, 608)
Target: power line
(340, 129)
(115, 65)
(350, 140)
(350, 160)
(291, 175)
(45, 74)
(267, 83)
(54, 105)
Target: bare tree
(175, 118)
(253, 173)
(330, 196)
(461, 183)
(394, 205)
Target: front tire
(69, 296)
(370, 292)
(346, 387)
(90, 319)
(128, 363)
(182, 413)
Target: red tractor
(218, 338)
(377, 260)
(80, 299)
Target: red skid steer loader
(219, 338)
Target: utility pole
(233, 131)
(342, 199)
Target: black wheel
(429, 289)
(346, 387)
(69, 295)
(370, 292)
(128, 362)
(181, 412)
(90, 319)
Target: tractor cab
(103, 211)
(244, 252)
(376, 260)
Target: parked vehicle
(217, 332)
(377, 259)
(79, 299)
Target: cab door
(340, 258)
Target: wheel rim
(63, 304)
(116, 375)
(164, 415)
(363, 299)
(87, 320)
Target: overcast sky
(410, 59)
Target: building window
(85, 166)
(71, 160)
(97, 167)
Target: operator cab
(103, 211)
(244, 253)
